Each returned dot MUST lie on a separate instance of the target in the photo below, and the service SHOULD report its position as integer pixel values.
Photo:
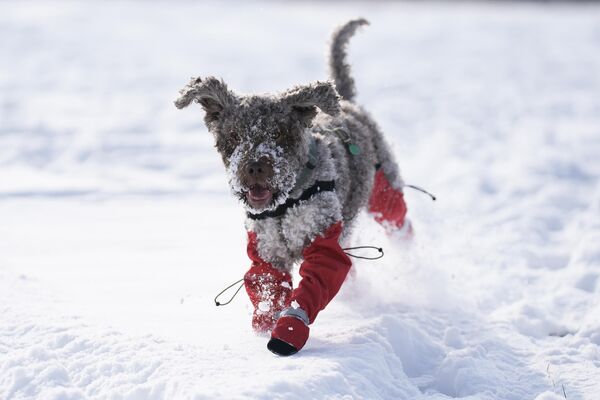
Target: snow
(117, 228)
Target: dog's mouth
(259, 196)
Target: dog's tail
(338, 67)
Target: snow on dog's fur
(273, 134)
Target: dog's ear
(210, 92)
(304, 100)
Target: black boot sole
(281, 348)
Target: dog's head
(263, 140)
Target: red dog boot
(289, 335)
(323, 271)
(269, 289)
(388, 206)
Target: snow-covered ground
(117, 229)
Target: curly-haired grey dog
(304, 163)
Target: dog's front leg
(268, 288)
(323, 272)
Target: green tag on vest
(354, 149)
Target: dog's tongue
(259, 193)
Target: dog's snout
(259, 170)
(255, 168)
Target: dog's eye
(233, 137)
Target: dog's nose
(259, 170)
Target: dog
(304, 163)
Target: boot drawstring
(218, 303)
(379, 249)
(420, 189)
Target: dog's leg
(323, 271)
(269, 288)
(387, 205)
(386, 202)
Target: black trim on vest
(318, 186)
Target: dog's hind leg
(387, 203)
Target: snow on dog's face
(263, 140)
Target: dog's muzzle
(256, 174)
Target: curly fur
(280, 128)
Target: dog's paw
(289, 336)
(281, 348)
